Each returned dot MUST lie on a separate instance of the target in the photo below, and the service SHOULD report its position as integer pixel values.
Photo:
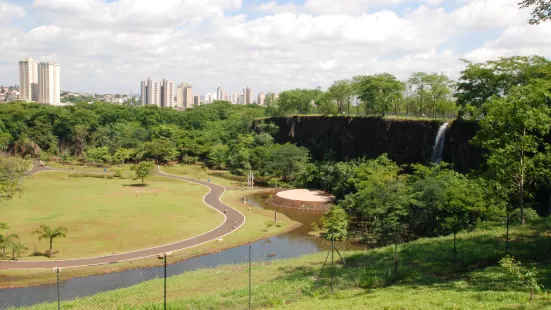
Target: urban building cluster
(39, 81)
(164, 94)
(70, 97)
(8, 93)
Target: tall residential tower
(48, 83)
(28, 80)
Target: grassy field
(125, 168)
(426, 279)
(255, 228)
(105, 216)
(220, 177)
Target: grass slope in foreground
(426, 279)
(105, 216)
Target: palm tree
(6, 240)
(17, 248)
(46, 232)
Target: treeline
(421, 95)
(219, 135)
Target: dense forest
(510, 98)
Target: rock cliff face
(405, 141)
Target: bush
(530, 215)
(118, 173)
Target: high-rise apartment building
(240, 99)
(28, 80)
(261, 99)
(48, 83)
(196, 100)
(151, 92)
(233, 98)
(143, 97)
(220, 94)
(167, 93)
(188, 96)
(247, 96)
(180, 95)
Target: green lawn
(255, 228)
(221, 177)
(110, 169)
(105, 216)
(426, 279)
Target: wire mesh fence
(252, 276)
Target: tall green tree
(285, 160)
(431, 93)
(380, 93)
(513, 131)
(341, 93)
(379, 204)
(12, 170)
(297, 100)
(480, 81)
(45, 232)
(335, 224)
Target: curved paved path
(212, 198)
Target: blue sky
(271, 45)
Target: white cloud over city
(268, 45)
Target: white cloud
(478, 14)
(521, 40)
(354, 7)
(275, 7)
(9, 11)
(110, 47)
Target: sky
(109, 46)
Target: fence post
(165, 281)
(57, 284)
(507, 237)
(250, 273)
(332, 269)
(396, 252)
(454, 252)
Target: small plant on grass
(118, 173)
(45, 232)
(142, 170)
(526, 276)
(17, 247)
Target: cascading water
(438, 148)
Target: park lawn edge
(35, 277)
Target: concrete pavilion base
(305, 199)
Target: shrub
(118, 173)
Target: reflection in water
(291, 244)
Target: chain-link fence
(253, 276)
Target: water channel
(291, 244)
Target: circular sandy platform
(306, 195)
(302, 199)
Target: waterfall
(438, 148)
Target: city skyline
(271, 45)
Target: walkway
(212, 198)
